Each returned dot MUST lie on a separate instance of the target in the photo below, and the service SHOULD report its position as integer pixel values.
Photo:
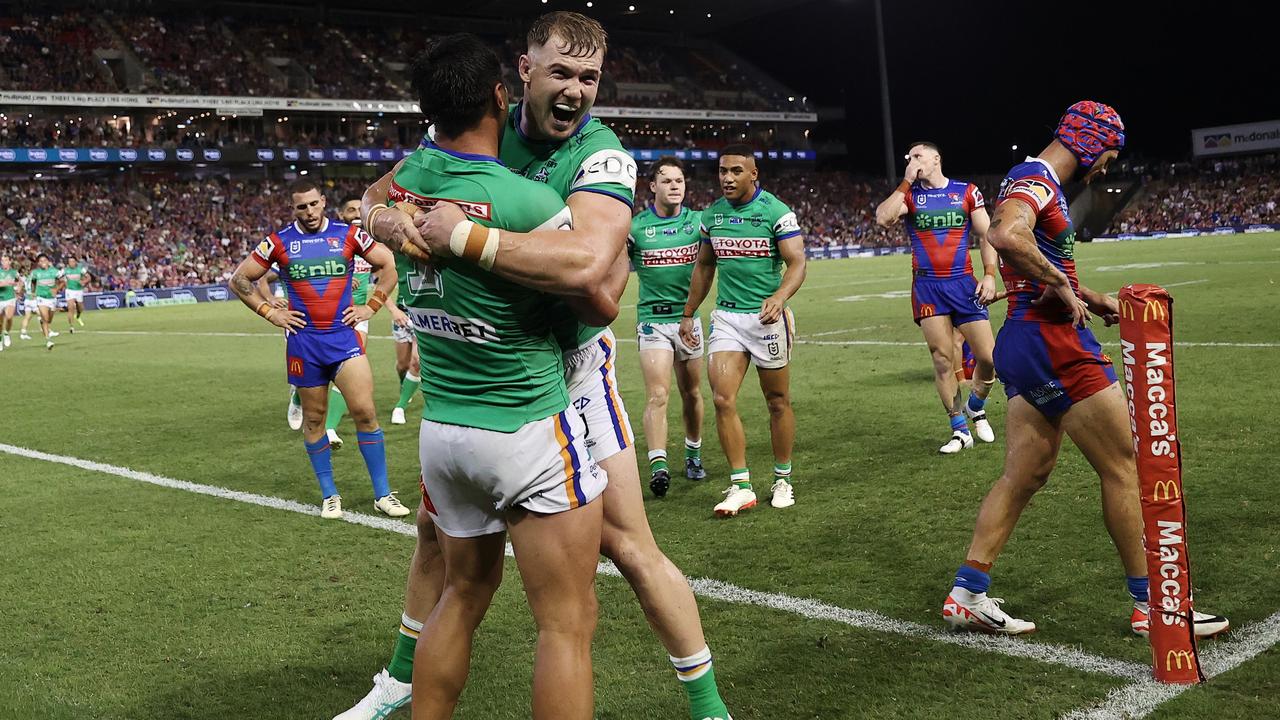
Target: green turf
(130, 601)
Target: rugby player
(361, 277)
(940, 215)
(10, 289)
(663, 245)
(550, 137)
(314, 257)
(748, 233)
(29, 306)
(1055, 374)
(76, 275)
(402, 332)
(294, 410)
(46, 281)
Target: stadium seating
(1230, 192)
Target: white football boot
(54, 333)
(335, 442)
(736, 499)
(965, 610)
(294, 414)
(397, 416)
(331, 508)
(387, 696)
(981, 428)
(783, 494)
(1207, 624)
(8, 341)
(959, 441)
(390, 506)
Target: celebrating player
(76, 275)
(361, 277)
(314, 257)
(47, 281)
(664, 247)
(940, 215)
(749, 234)
(10, 288)
(551, 137)
(1055, 374)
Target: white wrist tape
(476, 243)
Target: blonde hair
(582, 35)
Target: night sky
(977, 77)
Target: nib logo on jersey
(316, 268)
(728, 247)
(939, 219)
(660, 257)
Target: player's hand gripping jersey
(317, 269)
(1034, 183)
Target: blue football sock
(976, 403)
(972, 579)
(374, 450)
(1138, 588)
(322, 464)
(959, 424)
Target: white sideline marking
(849, 330)
(1226, 653)
(713, 589)
(799, 341)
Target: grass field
(124, 600)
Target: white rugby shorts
(768, 345)
(75, 295)
(593, 392)
(666, 336)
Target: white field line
(799, 341)
(713, 589)
(1228, 652)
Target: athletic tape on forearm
(475, 243)
(1146, 344)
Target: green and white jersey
(75, 276)
(404, 266)
(591, 160)
(745, 239)
(487, 355)
(361, 276)
(663, 251)
(44, 280)
(8, 281)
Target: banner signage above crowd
(1236, 139)
(250, 105)
(1190, 232)
(294, 155)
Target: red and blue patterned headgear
(1088, 129)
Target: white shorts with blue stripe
(593, 392)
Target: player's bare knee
(658, 398)
(725, 403)
(778, 403)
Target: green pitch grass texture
(123, 600)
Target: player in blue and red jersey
(315, 257)
(1055, 374)
(942, 217)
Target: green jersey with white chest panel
(745, 239)
(44, 280)
(7, 291)
(485, 347)
(591, 160)
(75, 276)
(663, 251)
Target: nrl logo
(719, 218)
(650, 232)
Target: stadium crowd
(1223, 192)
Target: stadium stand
(1243, 191)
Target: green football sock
(408, 387)
(657, 460)
(741, 477)
(699, 680)
(401, 665)
(692, 449)
(782, 471)
(337, 408)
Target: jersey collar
(653, 208)
(1047, 167)
(748, 202)
(323, 226)
(473, 157)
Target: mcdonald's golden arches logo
(1126, 310)
(295, 366)
(927, 310)
(1173, 659)
(1166, 490)
(1154, 311)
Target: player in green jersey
(76, 275)
(550, 137)
(29, 307)
(502, 449)
(47, 282)
(406, 344)
(748, 234)
(663, 246)
(10, 289)
(361, 281)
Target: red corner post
(1146, 340)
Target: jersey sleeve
(605, 167)
(360, 241)
(268, 251)
(973, 199)
(786, 225)
(1038, 192)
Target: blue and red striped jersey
(317, 268)
(1033, 182)
(938, 223)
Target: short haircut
(351, 198)
(925, 143)
(302, 186)
(40, 255)
(738, 149)
(582, 35)
(665, 161)
(454, 80)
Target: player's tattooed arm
(1013, 238)
(244, 284)
(393, 229)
